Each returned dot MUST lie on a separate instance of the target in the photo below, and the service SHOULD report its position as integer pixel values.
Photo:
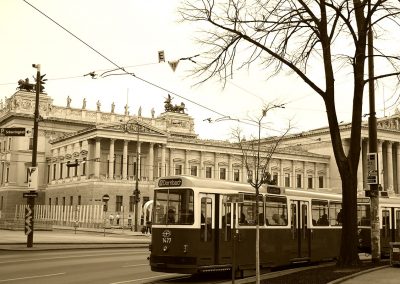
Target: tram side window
(226, 221)
(276, 211)
(398, 223)
(335, 214)
(247, 210)
(363, 215)
(173, 206)
(385, 222)
(320, 211)
(206, 219)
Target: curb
(340, 280)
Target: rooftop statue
(25, 85)
(169, 107)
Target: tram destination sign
(13, 131)
(167, 182)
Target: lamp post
(372, 133)
(136, 192)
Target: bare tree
(329, 36)
(256, 159)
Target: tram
(203, 225)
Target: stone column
(230, 168)
(389, 163)
(171, 162)
(328, 176)
(139, 145)
(97, 158)
(293, 180)
(151, 161)
(201, 170)
(163, 163)
(216, 172)
(111, 160)
(186, 169)
(316, 177)
(125, 160)
(398, 167)
(380, 164)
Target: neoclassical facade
(109, 152)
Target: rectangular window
(363, 215)
(174, 206)
(222, 173)
(178, 169)
(7, 173)
(309, 182)
(319, 211)
(30, 144)
(320, 181)
(275, 178)
(287, 179)
(9, 143)
(236, 175)
(118, 203)
(208, 172)
(79, 200)
(248, 212)
(1, 203)
(48, 173)
(56, 201)
(61, 170)
(131, 204)
(63, 201)
(54, 171)
(83, 165)
(193, 170)
(49, 200)
(276, 211)
(76, 171)
(335, 214)
(71, 200)
(298, 180)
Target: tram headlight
(165, 248)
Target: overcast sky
(130, 33)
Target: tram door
(207, 231)
(299, 230)
(386, 237)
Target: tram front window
(173, 206)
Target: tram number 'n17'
(166, 240)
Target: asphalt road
(108, 266)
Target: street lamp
(136, 192)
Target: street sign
(105, 197)
(13, 131)
(28, 220)
(372, 168)
(33, 178)
(30, 194)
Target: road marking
(137, 280)
(135, 265)
(67, 257)
(32, 277)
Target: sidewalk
(68, 238)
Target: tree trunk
(348, 256)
